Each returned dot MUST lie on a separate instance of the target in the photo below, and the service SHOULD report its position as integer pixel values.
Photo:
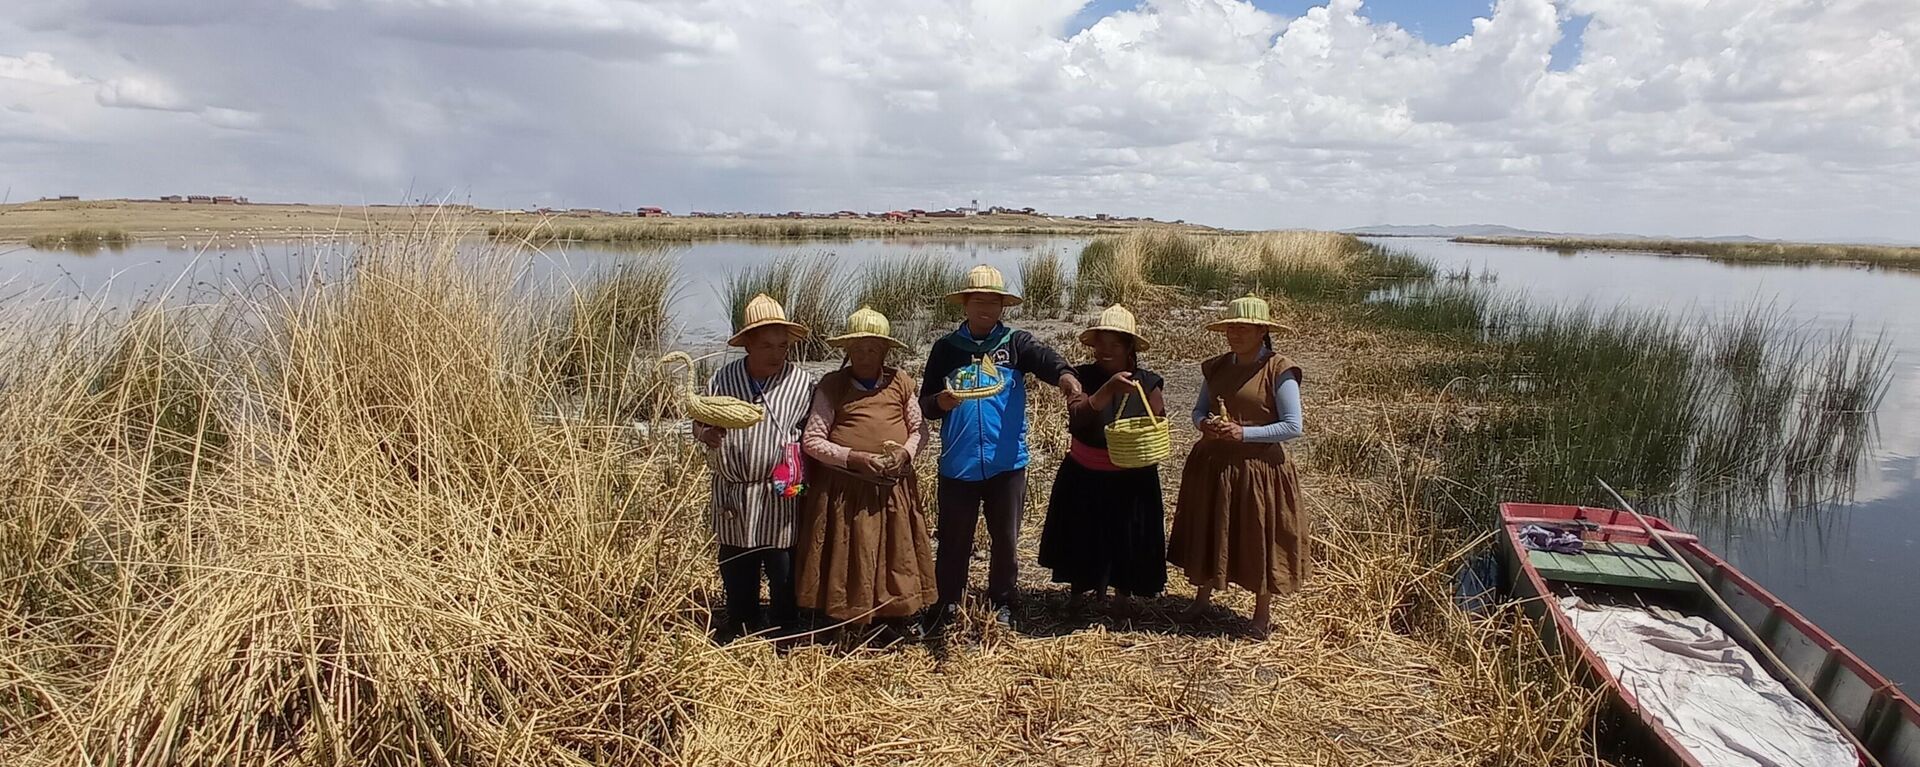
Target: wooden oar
(1805, 693)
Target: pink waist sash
(1091, 457)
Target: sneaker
(1003, 617)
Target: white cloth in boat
(1710, 693)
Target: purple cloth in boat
(1552, 539)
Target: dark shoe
(728, 633)
(937, 617)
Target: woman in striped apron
(755, 488)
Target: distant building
(653, 212)
(173, 198)
(222, 199)
(897, 215)
(200, 199)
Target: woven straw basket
(1141, 441)
(980, 380)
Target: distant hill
(1432, 230)
(1497, 230)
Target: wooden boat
(1620, 560)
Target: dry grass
(340, 527)
(1888, 256)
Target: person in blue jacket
(983, 442)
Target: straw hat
(1250, 310)
(761, 312)
(1118, 319)
(867, 323)
(985, 279)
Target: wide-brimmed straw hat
(1250, 310)
(867, 323)
(761, 312)
(1116, 319)
(985, 279)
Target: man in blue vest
(983, 442)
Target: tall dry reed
(341, 526)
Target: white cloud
(141, 93)
(36, 67)
(1783, 117)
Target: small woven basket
(1141, 441)
(980, 380)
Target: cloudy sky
(1784, 118)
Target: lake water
(205, 270)
(1854, 568)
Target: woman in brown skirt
(862, 552)
(1239, 519)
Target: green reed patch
(811, 289)
(1688, 415)
(1043, 283)
(85, 239)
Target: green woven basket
(1141, 441)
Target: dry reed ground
(378, 550)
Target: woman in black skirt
(1105, 525)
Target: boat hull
(1880, 717)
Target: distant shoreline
(147, 220)
(1880, 256)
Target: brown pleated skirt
(862, 550)
(1239, 519)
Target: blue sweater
(988, 436)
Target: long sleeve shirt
(820, 420)
(988, 436)
(1286, 400)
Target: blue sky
(1436, 21)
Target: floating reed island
(425, 514)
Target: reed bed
(1144, 266)
(911, 291)
(340, 526)
(809, 286)
(1710, 423)
(82, 239)
(606, 346)
(1887, 256)
(1043, 284)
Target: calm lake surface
(1853, 568)
(203, 272)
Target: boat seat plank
(1611, 563)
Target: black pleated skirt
(1106, 529)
